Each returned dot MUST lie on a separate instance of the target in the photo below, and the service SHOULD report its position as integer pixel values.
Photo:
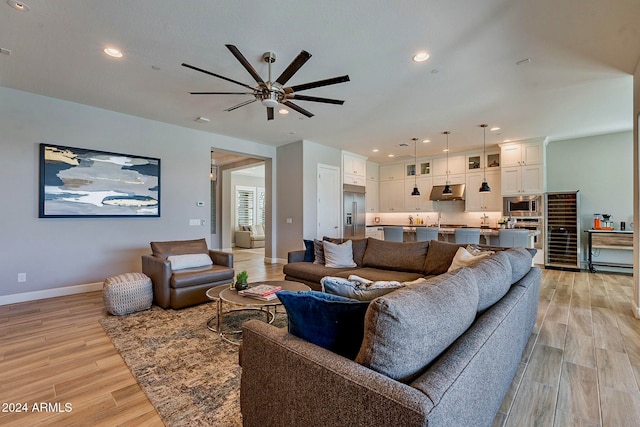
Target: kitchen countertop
(450, 230)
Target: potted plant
(242, 280)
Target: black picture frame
(82, 183)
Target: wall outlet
(22, 277)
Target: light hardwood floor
(581, 367)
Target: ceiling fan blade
(216, 75)
(315, 99)
(221, 93)
(295, 65)
(297, 108)
(319, 83)
(234, 50)
(269, 113)
(242, 104)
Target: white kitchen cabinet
(475, 201)
(522, 153)
(391, 196)
(458, 178)
(457, 164)
(520, 180)
(373, 173)
(420, 167)
(392, 172)
(352, 179)
(354, 165)
(420, 203)
(371, 196)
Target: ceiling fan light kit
(273, 93)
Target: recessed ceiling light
(113, 52)
(507, 140)
(202, 119)
(375, 150)
(18, 5)
(445, 150)
(494, 128)
(391, 155)
(283, 111)
(426, 140)
(421, 56)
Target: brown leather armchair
(185, 287)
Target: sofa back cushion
(440, 256)
(493, 276)
(398, 256)
(408, 328)
(520, 259)
(179, 247)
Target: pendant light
(415, 192)
(447, 187)
(484, 188)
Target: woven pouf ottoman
(127, 293)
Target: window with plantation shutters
(245, 205)
(261, 216)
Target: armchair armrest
(287, 375)
(243, 239)
(295, 256)
(159, 270)
(221, 258)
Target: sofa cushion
(439, 256)
(464, 258)
(337, 255)
(376, 274)
(180, 262)
(493, 276)
(358, 245)
(520, 259)
(311, 272)
(398, 256)
(357, 289)
(200, 276)
(308, 251)
(407, 329)
(179, 247)
(329, 321)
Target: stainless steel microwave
(522, 206)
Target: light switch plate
(194, 222)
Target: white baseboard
(50, 293)
(268, 260)
(636, 311)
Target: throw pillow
(464, 258)
(318, 252)
(359, 247)
(362, 290)
(308, 251)
(329, 321)
(439, 257)
(338, 255)
(180, 262)
(407, 329)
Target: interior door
(328, 203)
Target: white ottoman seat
(127, 293)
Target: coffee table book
(263, 292)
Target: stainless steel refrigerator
(354, 214)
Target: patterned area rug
(190, 375)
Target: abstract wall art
(79, 182)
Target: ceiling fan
(272, 93)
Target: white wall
(636, 188)
(64, 252)
(601, 167)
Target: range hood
(457, 193)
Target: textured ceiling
(579, 80)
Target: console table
(609, 239)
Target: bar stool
(467, 235)
(424, 234)
(513, 238)
(393, 234)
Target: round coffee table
(231, 296)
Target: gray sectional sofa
(440, 353)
